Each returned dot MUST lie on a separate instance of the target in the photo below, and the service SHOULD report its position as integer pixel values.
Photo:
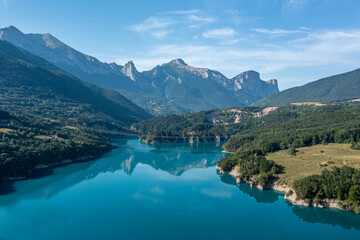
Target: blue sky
(295, 41)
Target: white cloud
(161, 33)
(152, 23)
(163, 23)
(277, 32)
(180, 12)
(220, 33)
(196, 18)
(226, 36)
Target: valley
(179, 120)
(73, 114)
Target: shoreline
(52, 165)
(182, 139)
(66, 161)
(290, 194)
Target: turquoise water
(165, 191)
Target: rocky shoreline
(290, 193)
(148, 139)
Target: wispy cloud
(226, 36)
(180, 12)
(196, 18)
(219, 33)
(278, 32)
(152, 23)
(291, 5)
(161, 33)
(163, 23)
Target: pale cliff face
(250, 81)
(129, 70)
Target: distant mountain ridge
(339, 87)
(173, 87)
(33, 86)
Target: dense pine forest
(337, 183)
(295, 125)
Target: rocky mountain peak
(178, 61)
(129, 70)
(10, 30)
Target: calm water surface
(165, 191)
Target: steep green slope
(340, 87)
(31, 85)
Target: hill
(340, 87)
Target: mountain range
(173, 87)
(33, 86)
(341, 87)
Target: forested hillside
(26, 143)
(340, 87)
(268, 129)
(201, 126)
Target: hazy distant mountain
(174, 87)
(340, 87)
(33, 86)
(83, 66)
(200, 88)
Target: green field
(312, 160)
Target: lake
(162, 191)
